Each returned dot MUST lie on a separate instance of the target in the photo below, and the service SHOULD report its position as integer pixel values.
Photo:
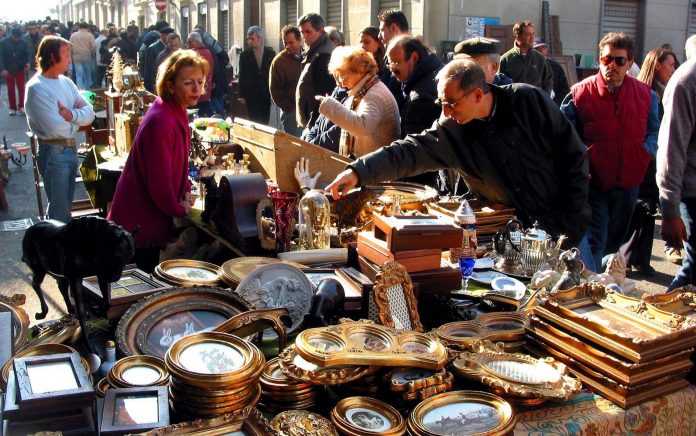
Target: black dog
(86, 246)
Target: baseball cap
(539, 42)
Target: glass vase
(315, 221)
(284, 212)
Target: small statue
(85, 246)
(327, 304)
(571, 276)
(544, 279)
(304, 179)
(615, 273)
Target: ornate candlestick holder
(22, 150)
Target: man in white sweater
(676, 169)
(55, 111)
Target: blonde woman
(369, 117)
(154, 187)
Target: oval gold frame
(480, 327)
(102, 386)
(251, 367)
(20, 319)
(162, 274)
(37, 350)
(504, 409)
(135, 325)
(340, 421)
(317, 375)
(65, 329)
(270, 382)
(435, 378)
(241, 409)
(115, 375)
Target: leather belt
(65, 142)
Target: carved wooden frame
(254, 425)
(394, 274)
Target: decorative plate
(279, 285)
(483, 263)
(234, 271)
(485, 277)
(508, 285)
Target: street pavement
(21, 195)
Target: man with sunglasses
(616, 116)
(511, 144)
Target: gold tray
(295, 366)
(623, 325)
(516, 375)
(462, 413)
(363, 416)
(212, 359)
(138, 371)
(185, 272)
(616, 368)
(365, 343)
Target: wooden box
(274, 154)
(376, 251)
(403, 233)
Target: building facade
(578, 24)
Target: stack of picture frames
(49, 393)
(280, 392)
(625, 349)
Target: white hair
(690, 47)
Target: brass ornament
(302, 423)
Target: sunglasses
(452, 105)
(607, 60)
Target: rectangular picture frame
(109, 424)
(29, 396)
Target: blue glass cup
(466, 267)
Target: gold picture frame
(302, 422)
(255, 424)
(626, 326)
(20, 319)
(365, 343)
(553, 340)
(393, 295)
(65, 329)
(295, 366)
(518, 377)
(681, 301)
(484, 413)
(508, 327)
(138, 371)
(364, 416)
(185, 272)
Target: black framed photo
(134, 410)
(54, 381)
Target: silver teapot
(530, 250)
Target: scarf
(346, 145)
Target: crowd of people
(593, 161)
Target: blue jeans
(611, 215)
(58, 167)
(83, 74)
(586, 253)
(289, 122)
(686, 275)
(217, 105)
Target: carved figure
(616, 267)
(327, 304)
(86, 246)
(571, 276)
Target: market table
(589, 414)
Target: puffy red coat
(614, 128)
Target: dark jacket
(314, 80)
(531, 68)
(221, 60)
(149, 69)
(386, 76)
(560, 82)
(420, 92)
(253, 82)
(324, 132)
(14, 55)
(527, 150)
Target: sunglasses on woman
(607, 60)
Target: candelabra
(21, 148)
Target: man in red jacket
(617, 118)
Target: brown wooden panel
(502, 33)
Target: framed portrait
(184, 272)
(130, 410)
(393, 295)
(154, 323)
(49, 380)
(138, 371)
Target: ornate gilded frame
(65, 329)
(365, 343)
(302, 422)
(135, 325)
(420, 423)
(393, 282)
(255, 424)
(295, 366)
(627, 326)
(20, 319)
(383, 418)
(117, 374)
(508, 327)
(681, 301)
(516, 376)
(162, 272)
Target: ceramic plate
(508, 285)
(278, 285)
(483, 263)
(485, 277)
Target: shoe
(674, 255)
(13, 112)
(645, 270)
(21, 111)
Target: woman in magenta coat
(154, 187)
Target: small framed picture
(134, 410)
(52, 379)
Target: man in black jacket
(511, 144)
(254, 70)
(15, 59)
